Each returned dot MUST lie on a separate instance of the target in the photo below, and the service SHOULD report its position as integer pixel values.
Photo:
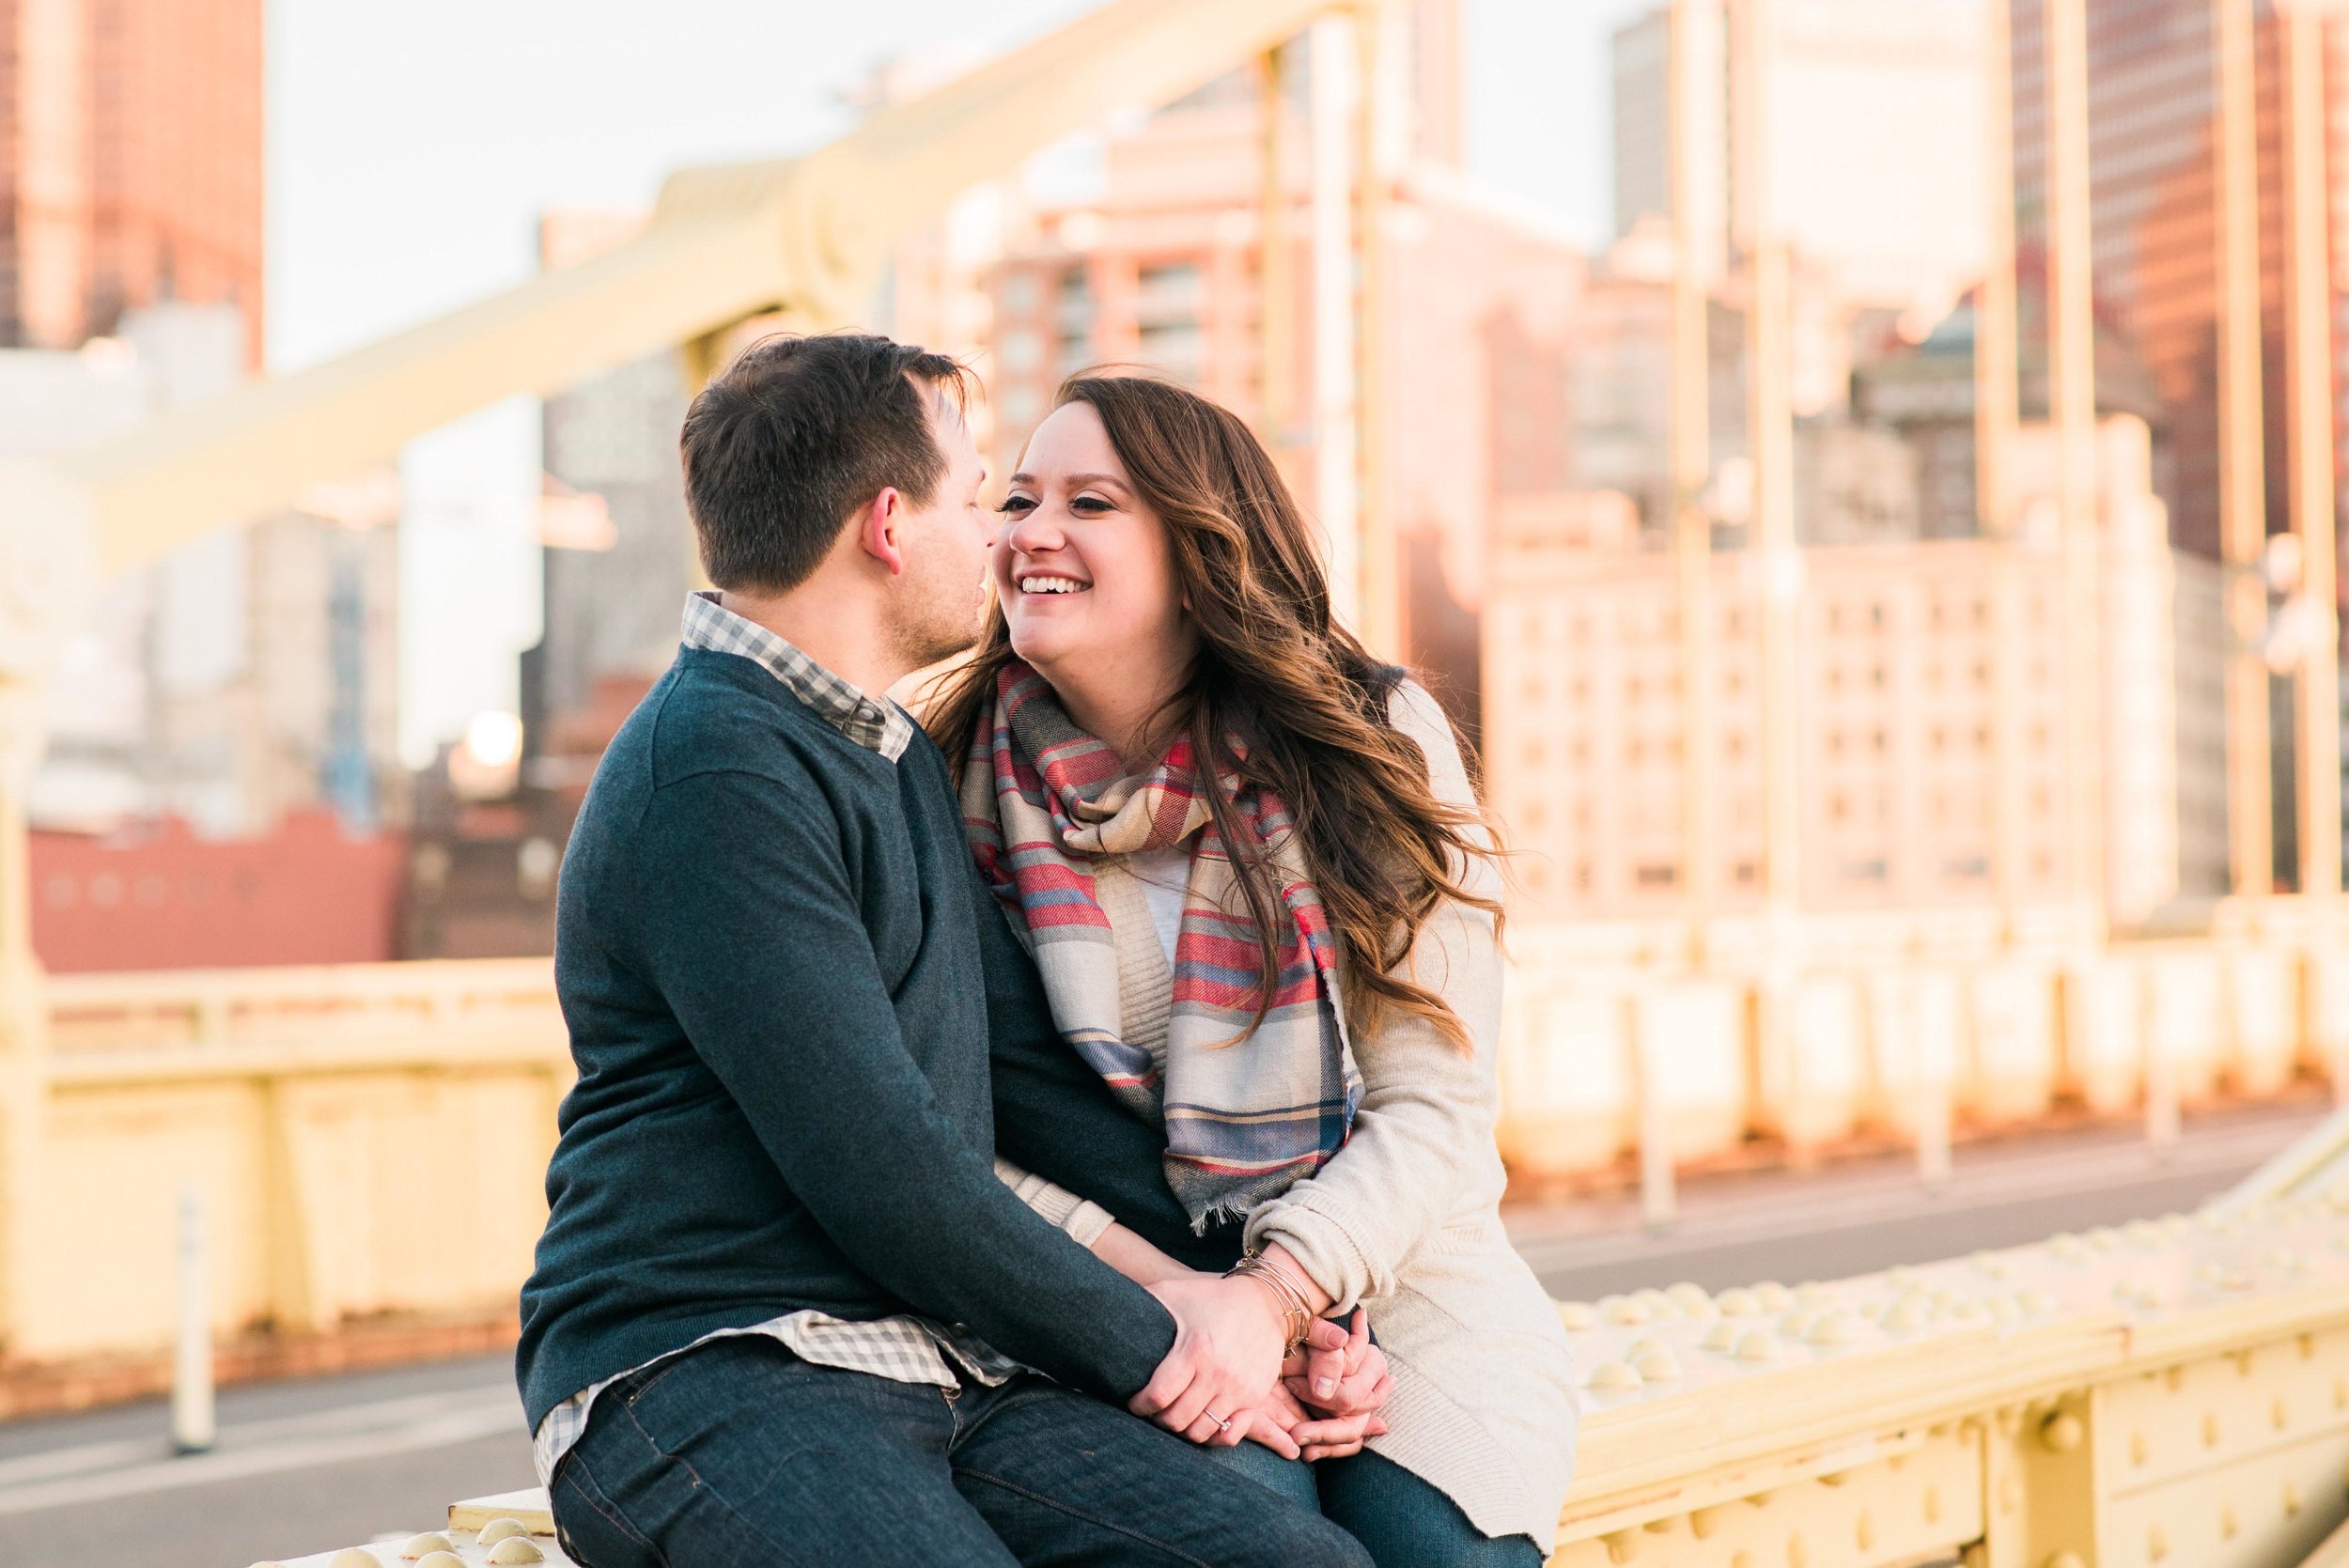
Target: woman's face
(1083, 566)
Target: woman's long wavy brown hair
(1305, 702)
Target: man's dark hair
(797, 434)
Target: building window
(1167, 289)
(1023, 350)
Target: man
(783, 1309)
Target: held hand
(1266, 1425)
(1328, 1437)
(1228, 1338)
(1337, 1438)
(1341, 1373)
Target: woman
(1204, 780)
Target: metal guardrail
(2171, 1393)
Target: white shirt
(1163, 875)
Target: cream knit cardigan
(1405, 1220)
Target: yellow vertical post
(1336, 473)
(2071, 343)
(2310, 448)
(2241, 452)
(1276, 273)
(1996, 416)
(1380, 622)
(1770, 544)
(1769, 438)
(1691, 462)
(24, 1026)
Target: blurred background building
(130, 165)
(1546, 433)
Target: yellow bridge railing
(2171, 1393)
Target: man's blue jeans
(738, 1454)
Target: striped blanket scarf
(1244, 1117)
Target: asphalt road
(309, 1464)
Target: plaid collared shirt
(904, 1349)
(875, 723)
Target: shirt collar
(875, 723)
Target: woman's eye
(1016, 504)
(1091, 505)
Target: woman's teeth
(1052, 585)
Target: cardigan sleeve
(1082, 1217)
(1425, 1120)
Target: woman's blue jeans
(1404, 1522)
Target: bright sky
(411, 149)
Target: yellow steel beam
(1691, 471)
(2071, 377)
(2310, 448)
(808, 236)
(1997, 396)
(2242, 475)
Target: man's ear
(881, 530)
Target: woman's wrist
(1284, 1291)
(1317, 1301)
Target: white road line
(291, 1443)
(87, 1457)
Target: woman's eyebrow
(1074, 481)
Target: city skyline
(432, 225)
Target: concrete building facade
(1899, 719)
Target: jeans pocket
(589, 1526)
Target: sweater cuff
(1080, 1218)
(1315, 1227)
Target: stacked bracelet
(1297, 1313)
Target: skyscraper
(130, 164)
(1162, 263)
(1876, 152)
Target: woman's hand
(1340, 1372)
(1316, 1436)
(1229, 1335)
(1336, 1437)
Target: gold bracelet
(1296, 1287)
(1297, 1316)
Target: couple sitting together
(1120, 1048)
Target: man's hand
(1339, 1372)
(1226, 1360)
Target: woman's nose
(1032, 532)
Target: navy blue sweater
(768, 947)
